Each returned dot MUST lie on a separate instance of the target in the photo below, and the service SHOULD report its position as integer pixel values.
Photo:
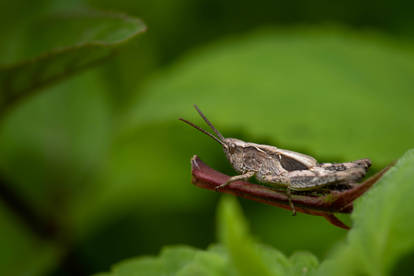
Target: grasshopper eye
(232, 148)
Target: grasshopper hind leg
(292, 206)
(284, 181)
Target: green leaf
(57, 46)
(248, 87)
(208, 263)
(177, 260)
(251, 258)
(144, 266)
(302, 89)
(233, 232)
(327, 92)
(383, 226)
(303, 263)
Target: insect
(280, 168)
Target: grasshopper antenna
(203, 131)
(209, 123)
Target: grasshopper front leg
(244, 176)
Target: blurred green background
(94, 166)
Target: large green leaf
(336, 94)
(383, 229)
(344, 76)
(326, 92)
(54, 47)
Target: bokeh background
(95, 167)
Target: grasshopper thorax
(234, 150)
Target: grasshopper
(280, 168)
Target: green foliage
(243, 252)
(179, 260)
(51, 48)
(60, 45)
(239, 254)
(248, 86)
(102, 156)
(380, 236)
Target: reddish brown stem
(322, 205)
